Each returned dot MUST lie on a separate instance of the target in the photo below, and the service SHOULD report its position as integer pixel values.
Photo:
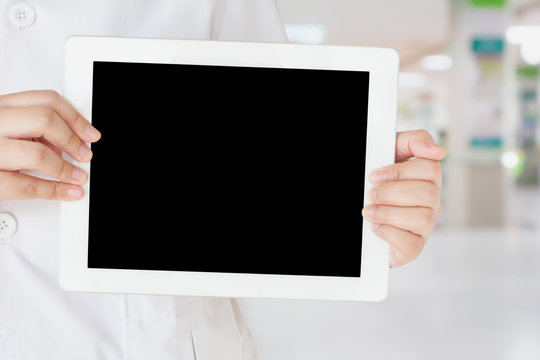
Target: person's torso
(37, 319)
(55, 20)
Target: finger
(404, 245)
(50, 146)
(406, 193)
(16, 186)
(61, 106)
(29, 155)
(42, 122)
(417, 143)
(414, 169)
(418, 220)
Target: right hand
(35, 128)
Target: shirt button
(22, 15)
(8, 226)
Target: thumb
(417, 143)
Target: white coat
(37, 319)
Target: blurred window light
(414, 80)
(306, 33)
(530, 52)
(509, 159)
(436, 62)
(528, 39)
(520, 34)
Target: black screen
(227, 169)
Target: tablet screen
(227, 169)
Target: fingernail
(369, 211)
(84, 152)
(372, 194)
(92, 132)
(379, 176)
(74, 193)
(432, 144)
(78, 175)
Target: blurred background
(469, 75)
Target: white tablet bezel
(382, 64)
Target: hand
(405, 199)
(35, 127)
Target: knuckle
(64, 171)
(37, 154)
(430, 194)
(434, 170)
(425, 134)
(51, 96)
(382, 214)
(80, 120)
(45, 116)
(423, 221)
(31, 189)
(72, 143)
(56, 191)
(413, 247)
(397, 172)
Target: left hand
(405, 199)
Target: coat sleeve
(248, 20)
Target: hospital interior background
(470, 75)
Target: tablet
(228, 169)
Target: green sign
(488, 3)
(527, 72)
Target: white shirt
(37, 319)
